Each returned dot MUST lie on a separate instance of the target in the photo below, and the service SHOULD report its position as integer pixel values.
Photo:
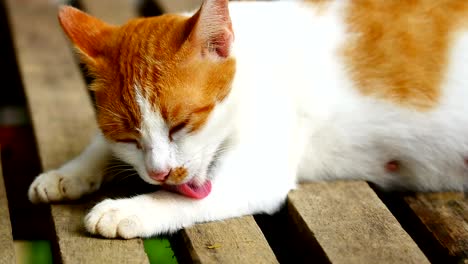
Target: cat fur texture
(228, 108)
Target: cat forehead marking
(152, 126)
(181, 84)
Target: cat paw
(114, 218)
(54, 186)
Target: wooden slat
(350, 224)
(63, 121)
(445, 215)
(7, 251)
(115, 12)
(175, 6)
(237, 240)
(78, 247)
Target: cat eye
(129, 141)
(177, 128)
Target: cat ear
(88, 33)
(213, 29)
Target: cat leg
(77, 177)
(163, 212)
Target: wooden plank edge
(236, 240)
(445, 217)
(303, 239)
(7, 250)
(350, 224)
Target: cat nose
(160, 176)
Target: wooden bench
(7, 253)
(335, 222)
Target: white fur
(157, 153)
(293, 115)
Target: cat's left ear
(89, 34)
(212, 30)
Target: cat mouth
(190, 189)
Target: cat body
(229, 108)
(333, 130)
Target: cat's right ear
(88, 33)
(212, 30)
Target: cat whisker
(121, 172)
(125, 177)
(112, 113)
(110, 124)
(119, 166)
(197, 155)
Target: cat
(229, 107)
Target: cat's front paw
(115, 218)
(54, 186)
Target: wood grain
(350, 224)
(7, 251)
(76, 246)
(177, 6)
(445, 215)
(115, 12)
(237, 240)
(63, 121)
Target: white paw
(114, 218)
(53, 186)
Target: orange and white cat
(230, 107)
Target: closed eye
(177, 128)
(129, 141)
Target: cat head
(161, 86)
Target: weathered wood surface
(115, 12)
(237, 240)
(177, 6)
(7, 250)
(350, 224)
(57, 98)
(445, 215)
(76, 246)
(63, 121)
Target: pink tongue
(190, 190)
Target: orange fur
(319, 6)
(86, 32)
(177, 175)
(162, 56)
(401, 52)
